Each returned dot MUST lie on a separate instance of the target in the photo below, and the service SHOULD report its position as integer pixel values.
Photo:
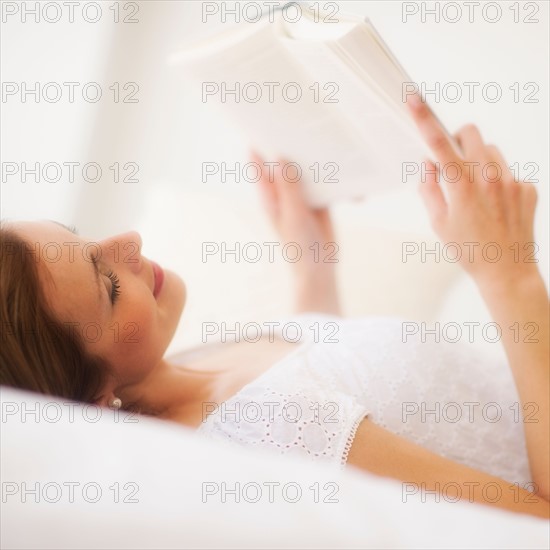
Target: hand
(293, 219)
(311, 229)
(487, 213)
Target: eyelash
(115, 286)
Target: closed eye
(115, 286)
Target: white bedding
(168, 465)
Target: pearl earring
(115, 403)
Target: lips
(158, 279)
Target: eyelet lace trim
(351, 437)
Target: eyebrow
(95, 267)
(70, 228)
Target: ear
(106, 394)
(105, 400)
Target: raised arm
(311, 229)
(487, 205)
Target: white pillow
(168, 465)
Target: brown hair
(38, 352)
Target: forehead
(65, 269)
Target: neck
(172, 392)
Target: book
(324, 93)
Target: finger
(266, 181)
(529, 197)
(433, 197)
(471, 142)
(513, 201)
(289, 186)
(431, 130)
(495, 155)
(268, 190)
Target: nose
(125, 250)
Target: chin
(176, 290)
(170, 306)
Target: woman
(130, 308)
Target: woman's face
(105, 291)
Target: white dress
(438, 395)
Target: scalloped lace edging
(351, 437)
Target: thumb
(289, 186)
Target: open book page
(358, 44)
(310, 131)
(333, 106)
(384, 139)
(370, 57)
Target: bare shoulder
(383, 453)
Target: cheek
(134, 347)
(136, 339)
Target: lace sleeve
(320, 428)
